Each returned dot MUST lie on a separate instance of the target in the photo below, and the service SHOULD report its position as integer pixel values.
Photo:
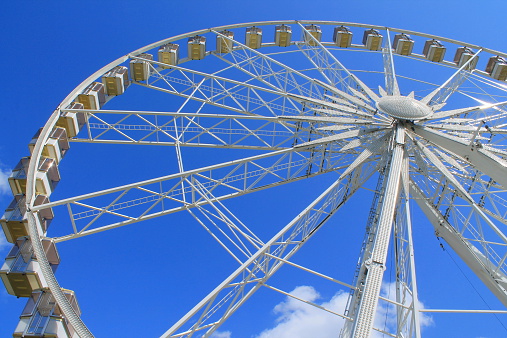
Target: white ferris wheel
(415, 119)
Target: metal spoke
(333, 70)
(389, 71)
(238, 96)
(271, 72)
(189, 129)
(451, 85)
(243, 240)
(143, 200)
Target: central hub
(403, 107)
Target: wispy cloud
(297, 319)
(4, 191)
(221, 334)
(4, 245)
(4, 183)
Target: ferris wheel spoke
(452, 84)
(333, 70)
(269, 71)
(238, 96)
(478, 157)
(224, 226)
(207, 316)
(188, 129)
(453, 184)
(470, 130)
(485, 256)
(341, 107)
(467, 110)
(157, 197)
(391, 82)
(243, 97)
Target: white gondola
(116, 81)
(403, 44)
(93, 97)
(196, 47)
(253, 37)
(56, 145)
(283, 35)
(224, 45)
(315, 31)
(72, 121)
(140, 69)
(169, 54)
(21, 272)
(463, 54)
(42, 317)
(15, 223)
(372, 39)
(342, 36)
(47, 176)
(434, 50)
(497, 68)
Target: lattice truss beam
(212, 89)
(192, 129)
(135, 202)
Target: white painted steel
(311, 124)
(376, 262)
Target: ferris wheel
(333, 109)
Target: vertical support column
(408, 321)
(375, 265)
(415, 297)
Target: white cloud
(4, 183)
(4, 190)
(4, 245)
(219, 334)
(299, 320)
(296, 319)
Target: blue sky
(134, 282)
